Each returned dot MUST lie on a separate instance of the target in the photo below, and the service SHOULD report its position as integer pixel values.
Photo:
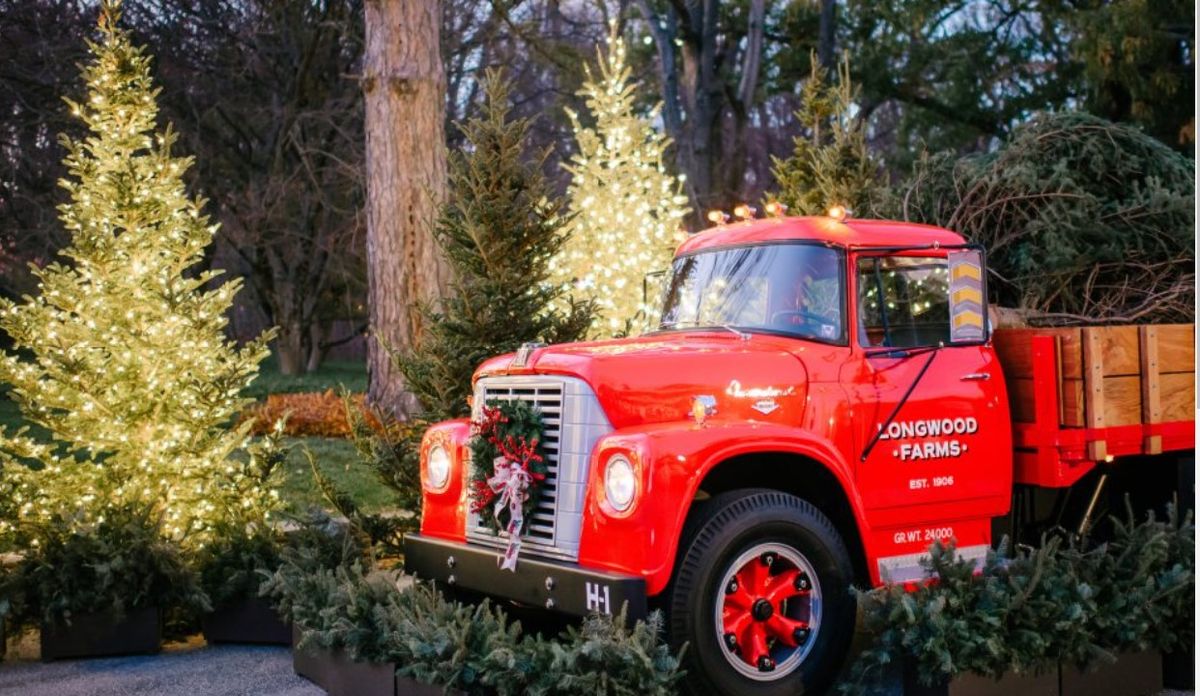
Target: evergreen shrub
(380, 616)
(231, 567)
(1067, 602)
(120, 563)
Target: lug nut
(731, 642)
(450, 562)
(802, 583)
(550, 603)
(765, 664)
(800, 635)
(451, 580)
(767, 558)
(732, 586)
(549, 584)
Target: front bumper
(561, 587)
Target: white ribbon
(511, 483)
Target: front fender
(672, 460)
(444, 513)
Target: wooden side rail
(1080, 396)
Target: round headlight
(620, 483)
(437, 468)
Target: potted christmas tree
(122, 362)
(100, 588)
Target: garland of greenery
(507, 432)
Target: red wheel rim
(768, 611)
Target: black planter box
(101, 634)
(1133, 674)
(975, 685)
(1179, 670)
(407, 686)
(251, 620)
(338, 675)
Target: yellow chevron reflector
(968, 319)
(967, 294)
(965, 270)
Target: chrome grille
(574, 421)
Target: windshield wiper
(696, 325)
(933, 351)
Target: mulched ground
(181, 669)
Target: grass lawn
(336, 457)
(339, 462)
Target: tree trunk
(290, 348)
(827, 35)
(316, 352)
(404, 90)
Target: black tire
(721, 531)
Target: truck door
(931, 417)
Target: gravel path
(183, 670)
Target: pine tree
(627, 208)
(121, 357)
(499, 232)
(830, 164)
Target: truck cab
(819, 403)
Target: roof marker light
(745, 212)
(775, 209)
(838, 212)
(718, 217)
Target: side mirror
(968, 297)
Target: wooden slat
(1015, 351)
(1093, 389)
(1176, 347)
(1120, 347)
(1071, 342)
(1122, 401)
(1177, 396)
(1151, 411)
(1073, 407)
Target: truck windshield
(794, 289)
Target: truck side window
(903, 301)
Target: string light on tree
(627, 207)
(124, 359)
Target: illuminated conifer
(627, 208)
(122, 355)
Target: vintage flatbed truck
(822, 400)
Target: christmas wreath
(508, 471)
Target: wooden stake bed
(1082, 395)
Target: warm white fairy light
(131, 372)
(627, 207)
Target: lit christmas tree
(122, 356)
(627, 208)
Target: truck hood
(656, 378)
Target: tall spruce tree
(626, 207)
(499, 232)
(122, 358)
(830, 163)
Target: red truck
(822, 399)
